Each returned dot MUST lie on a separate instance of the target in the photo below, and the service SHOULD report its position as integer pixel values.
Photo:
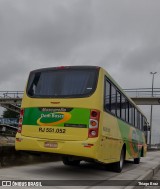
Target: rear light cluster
(20, 121)
(93, 123)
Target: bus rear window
(59, 83)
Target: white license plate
(51, 144)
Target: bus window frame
(128, 103)
(95, 83)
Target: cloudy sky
(123, 36)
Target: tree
(10, 114)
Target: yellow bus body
(105, 148)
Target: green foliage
(9, 114)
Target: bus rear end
(60, 112)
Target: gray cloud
(103, 32)
(48, 34)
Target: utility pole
(150, 138)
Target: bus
(81, 113)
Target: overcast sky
(123, 36)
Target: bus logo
(53, 118)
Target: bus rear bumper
(85, 148)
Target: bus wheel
(118, 166)
(67, 161)
(137, 160)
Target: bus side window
(140, 121)
(127, 110)
(123, 108)
(131, 114)
(136, 118)
(107, 96)
(113, 100)
(118, 104)
(143, 123)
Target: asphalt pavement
(135, 175)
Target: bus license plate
(51, 144)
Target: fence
(11, 94)
(143, 92)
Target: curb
(147, 176)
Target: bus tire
(66, 161)
(118, 166)
(137, 160)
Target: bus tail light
(93, 123)
(20, 121)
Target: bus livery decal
(53, 118)
(62, 117)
